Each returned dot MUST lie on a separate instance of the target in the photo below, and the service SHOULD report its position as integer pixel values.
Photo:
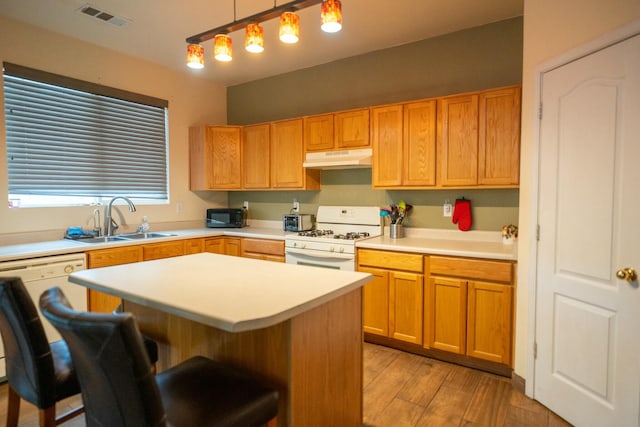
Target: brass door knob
(628, 274)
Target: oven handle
(319, 254)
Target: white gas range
(332, 244)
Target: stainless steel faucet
(109, 223)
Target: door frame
(602, 42)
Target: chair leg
(47, 416)
(13, 410)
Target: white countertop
(65, 246)
(474, 244)
(230, 293)
(478, 244)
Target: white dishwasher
(40, 274)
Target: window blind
(64, 141)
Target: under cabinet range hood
(344, 159)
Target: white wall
(191, 101)
(551, 28)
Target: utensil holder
(396, 231)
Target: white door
(587, 320)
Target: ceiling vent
(103, 16)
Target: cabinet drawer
(498, 271)
(263, 246)
(115, 256)
(392, 260)
(162, 250)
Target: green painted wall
(473, 59)
(491, 209)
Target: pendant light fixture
(222, 48)
(195, 56)
(331, 16)
(288, 32)
(289, 28)
(254, 38)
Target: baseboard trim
(517, 382)
(469, 362)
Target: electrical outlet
(296, 206)
(245, 204)
(447, 208)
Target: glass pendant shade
(254, 38)
(289, 27)
(331, 16)
(195, 56)
(222, 48)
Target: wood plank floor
(402, 389)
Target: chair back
(117, 383)
(28, 358)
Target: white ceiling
(158, 29)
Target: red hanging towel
(462, 214)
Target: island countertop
(229, 293)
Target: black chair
(119, 390)
(38, 372)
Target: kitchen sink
(101, 239)
(124, 237)
(148, 235)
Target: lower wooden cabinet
(469, 307)
(223, 245)
(162, 250)
(393, 300)
(99, 301)
(264, 249)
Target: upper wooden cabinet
(286, 158)
(479, 139)
(255, 157)
(404, 145)
(215, 157)
(499, 137)
(352, 129)
(458, 140)
(337, 131)
(318, 133)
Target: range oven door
(323, 259)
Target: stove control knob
(341, 249)
(332, 249)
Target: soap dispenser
(144, 227)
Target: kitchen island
(297, 328)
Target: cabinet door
(458, 140)
(386, 136)
(255, 157)
(226, 159)
(352, 129)
(193, 246)
(499, 137)
(99, 301)
(419, 146)
(405, 306)
(318, 133)
(214, 245)
(233, 246)
(287, 154)
(489, 321)
(375, 297)
(162, 250)
(446, 314)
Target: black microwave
(225, 218)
